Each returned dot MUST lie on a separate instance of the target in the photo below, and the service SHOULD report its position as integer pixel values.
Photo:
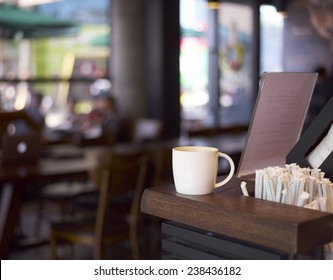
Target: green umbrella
(31, 23)
(188, 32)
(100, 40)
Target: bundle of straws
(303, 187)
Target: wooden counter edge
(288, 235)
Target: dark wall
(162, 66)
(304, 48)
(144, 62)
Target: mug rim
(197, 149)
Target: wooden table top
(279, 226)
(45, 168)
(55, 166)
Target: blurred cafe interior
(95, 94)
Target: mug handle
(231, 172)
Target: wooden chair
(162, 162)
(10, 117)
(212, 131)
(146, 130)
(123, 177)
(61, 195)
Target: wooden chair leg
(99, 252)
(134, 242)
(134, 246)
(155, 237)
(39, 217)
(53, 247)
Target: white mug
(195, 169)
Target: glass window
(194, 60)
(271, 35)
(61, 62)
(236, 63)
(233, 58)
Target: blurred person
(34, 108)
(103, 121)
(321, 17)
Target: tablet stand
(311, 138)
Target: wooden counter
(226, 212)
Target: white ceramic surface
(195, 169)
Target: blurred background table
(64, 162)
(14, 179)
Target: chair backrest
(7, 118)
(163, 165)
(123, 178)
(212, 131)
(146, 129)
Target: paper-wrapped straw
(311, 187)
(322, 204)
(313, 205)
(328, 140)
(319, 154)
(289, 192)
(295, 185)
(278, 193)
(256, 184)
(306, 171)
(244, 189)
(271, 189)
(306, 184)
(324, 185)
(315, 160)
(315, 172)
(302, 198)
(284, 195)
(318, 190)
(300, 188)
(329, 190)
(294, 193)
(265, 186)
(260, 187)
(303, 187)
